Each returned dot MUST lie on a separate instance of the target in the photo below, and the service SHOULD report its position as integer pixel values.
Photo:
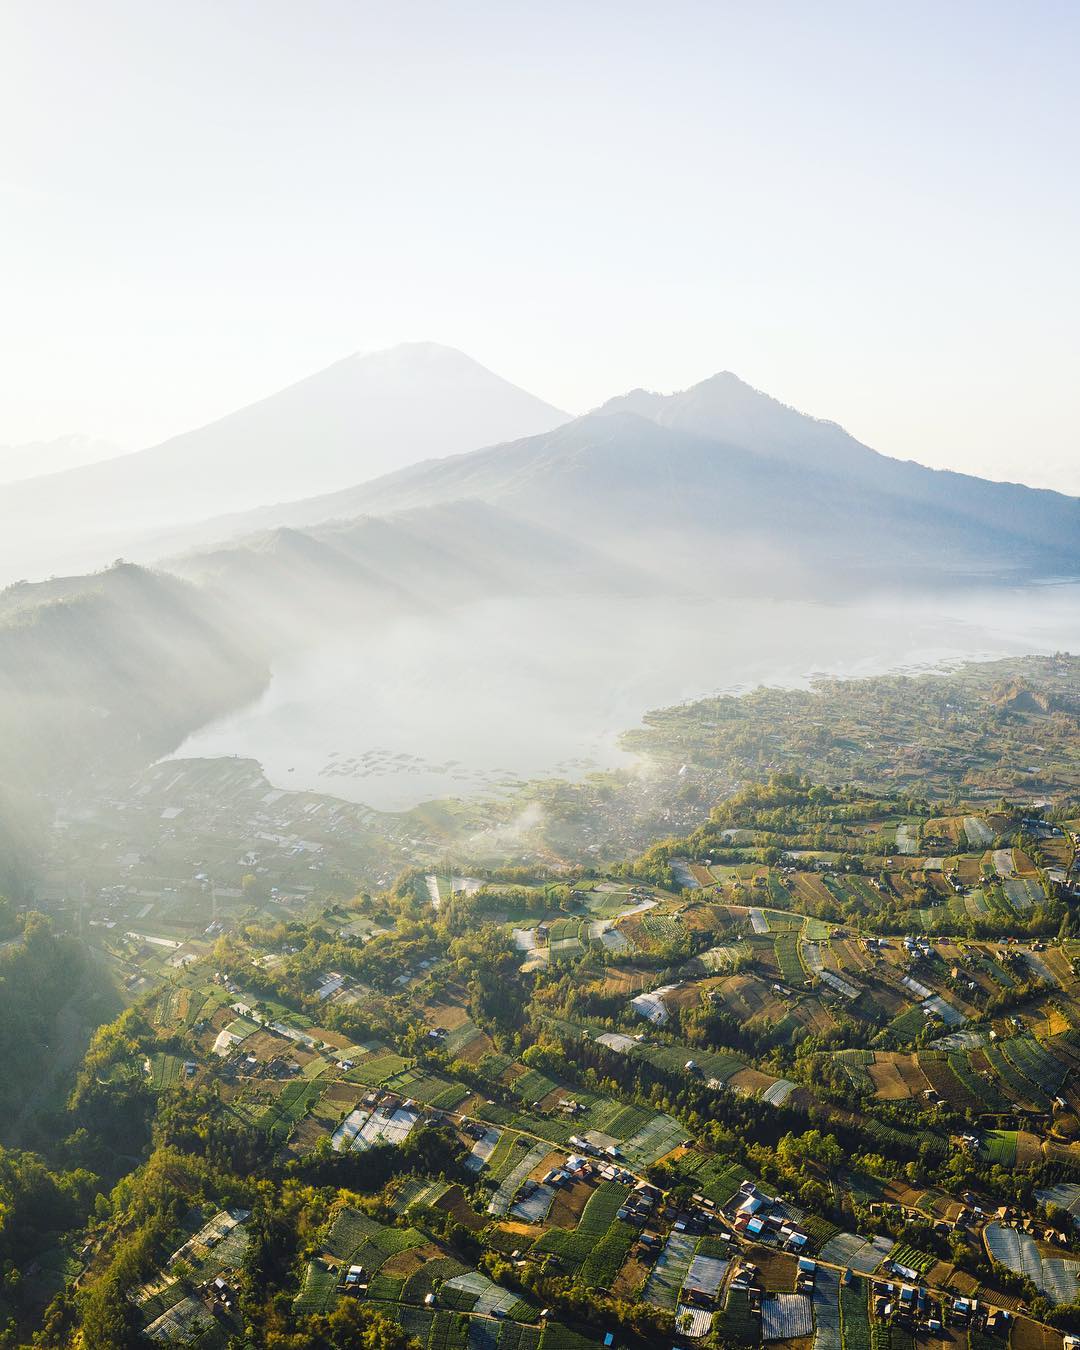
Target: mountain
(34, 458)
(726, 409)
(358, 419)
(722, 485)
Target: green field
(999, 1146)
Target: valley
(539, 677)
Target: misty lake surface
(490, 695)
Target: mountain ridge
(724, 457)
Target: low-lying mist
(468, 702)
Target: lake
(479, 699)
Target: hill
(111, 670)
(343, 574)
(361, 417)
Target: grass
(1000, 1147)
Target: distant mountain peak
(364, 416)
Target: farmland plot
(1036, 1063)
(489, 1297)
(503, 1198)
(317, 1289)
(657, 1138)
(1000, 1147)
(786, 946)
(860, 1254)
(1053, 1276)
(779, 1092)
(935, 1065)
(186, 1322)
(952, 1017)
(1023, 893)
(607, 1256)
(1020, 1087)
(903, 1254)
(1066, 1195)
(979, 834)
(651, 1006)
(533, 1208)
(692, 1322)
(854, 1316)
(706, 1273)
(979, 1089)
(855, 1064)
(483, 1149)
(362, 1129)
(598, 1226)
(669, 1273)
(713, 1177)
(786, 1316)
(827, 1310)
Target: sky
(869, 211)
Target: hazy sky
(870, 211)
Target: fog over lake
(494, 693)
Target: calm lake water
(504, 691)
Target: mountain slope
(357, 419)
(35, 458)
(722, 480)
(726, 409)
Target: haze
(478, 703)
(539, 723)
(868, 213)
